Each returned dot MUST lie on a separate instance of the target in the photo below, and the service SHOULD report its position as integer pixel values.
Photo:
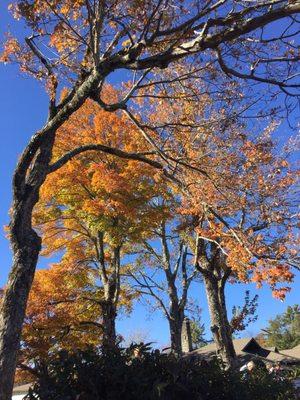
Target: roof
(250, 347)
(278, 357)
(239, 345)
(246, 345)
(275, 349)
(294, 352)
(22, 389)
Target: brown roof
(274, 348)
(239, 345)
(249, 346)
(277, 357)
(22, 389)
(294, 352)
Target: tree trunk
(175, 325)
(176, 314)
(26, 245)
(14, 307)
(29, 176)
(111, 287)
(219, 322)
(109, 314)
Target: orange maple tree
(95, 207)
(248, 209)
(238, 189)
(57, 317)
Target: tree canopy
(283, 331)
(158, 49)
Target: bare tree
(81, 47)
(166, 275)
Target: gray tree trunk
(29, 176)
(220, 326)
(26, 245)
(111, 286)
(175, 314)
(175, 319)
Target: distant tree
(138, 336)
(260, 338)
(198, 332)
(166, 276)
(284, 330)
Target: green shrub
(150, 375)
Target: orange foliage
(237, 191)
(89, 210)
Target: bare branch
(229, 71)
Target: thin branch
(229, 71)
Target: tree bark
(29, 176)
(26, 245)
(220, 326)
(14, 306)
(111, 286)
(175, 314)
(109, 314)
(175, 319)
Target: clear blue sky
(23, 109)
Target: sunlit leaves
(241, 195)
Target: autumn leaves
(104, 217)
(185, 75)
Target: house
(249, 348)
(294, 352)
(20, 392)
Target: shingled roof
(294, 352)
(250, 347)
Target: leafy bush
(140, 373)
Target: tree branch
(229, 71)
(105, 149)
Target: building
(294, 352)
(249, 348)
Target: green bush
(150, 375)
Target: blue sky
(23, 110)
